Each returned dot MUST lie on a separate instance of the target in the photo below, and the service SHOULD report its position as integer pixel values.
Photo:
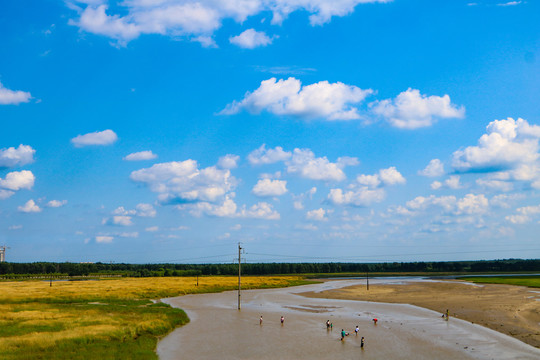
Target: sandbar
(509, 309)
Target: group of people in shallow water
(330, 326)
(282, 320)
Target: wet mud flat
(218, 330)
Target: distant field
(530, 281)
(105, 319)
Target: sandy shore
(512, 310)
(218, 330)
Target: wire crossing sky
(308, 130)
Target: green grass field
(530, 281)
(106, 319)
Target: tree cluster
(147, 270)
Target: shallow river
(218, 330)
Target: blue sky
(168, 131)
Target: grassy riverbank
(105, 319)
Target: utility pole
(367, 279)
(239, 274)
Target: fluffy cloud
(228, 208)
(133, 234)
(183, 181)
(304, 163)
(261, 210)
(4, 194)
(106, 137)
(510, 3)
(104, 239)
(120, 220)
(360, 196)
(268, 187)
(145, 210)
(317, 215)
(225, 209)
(193, 19)
(20, 156)
(251, 39)
(524, 215)
(141, 155)
(289, 98)
(228, 161)
(453, 182)
(447, 203)
(435, 168)
(18, 180)
(367, 189)
(508, 144)
(29, 207)
(470, 204)
(142, 210)
(262, 156)
(391, 176)
(412, 110)
(13, 97)
(56, 203)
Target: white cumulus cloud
(391, 176)
(330, 101)
(435, 168)
(228, 161)
(250, 39)
(367, 189)
(470, 204)
(17, 180)
(145, 210)
(13, 97)
(304, 163)
(263, 156)
(29, 207)
(141, 155)
(453, 182)
(268, 187)
(121, 220)
(104, 239)
(22, 155)
(317, 215)
(261, 210)
(106, 137)
(507, 144)
(183, 181)
(228, 208)
(196, 20)
(412, 110)
(4, 194)
(56, 203)
(142, 210)
(360, 196)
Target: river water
(218, 330)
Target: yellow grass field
(104, 318)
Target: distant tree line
(147, 270)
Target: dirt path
(512, 310)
